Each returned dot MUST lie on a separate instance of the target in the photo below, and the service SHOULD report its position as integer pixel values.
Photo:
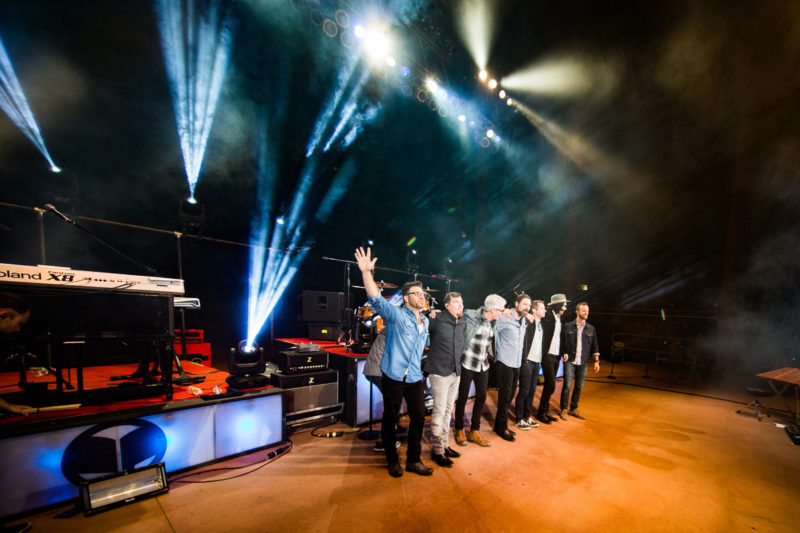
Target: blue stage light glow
(15, 105)
(196, 42)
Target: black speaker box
(304, 379)
(320, 306)
(324, 332)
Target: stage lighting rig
(192, 216)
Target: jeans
(481, 380)
(528, 376)
(444, 390)
(549, 369)
(576, 373)
(507, 378)
(393, 394)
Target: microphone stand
(98, 238)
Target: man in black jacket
(579, 346)
(443, 366)
(551, 354)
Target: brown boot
(477, 438)
(461, 440)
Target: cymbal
(380, 284)
(431, 290)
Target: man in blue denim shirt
(406, 337)
(509, 336)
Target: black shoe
(395, 470)
(441, 460)
(544, 420)
(506, 435)
(451, 453)
(419, 468)
(401, 429)
(552, 418)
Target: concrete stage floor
(644, 460)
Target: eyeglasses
(415, 293)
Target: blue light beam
(196, 43)
(15, 105)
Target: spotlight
(370, 242)
(483, 75)
(462, 118)
(492, 83)
(509, 101)
(377, 44)
(447, 267)
(246, 366)
(55, 169)
(192, 200)
(359, 31)
(490, 133)
(192, 216)
(501, 94)
(280, 220)
(411, 261)
(391, 61)
(405, 71)
(432, 85)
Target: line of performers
(520, 340)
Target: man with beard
(509, 338)
(551, 350)
(443, 366)
(406, 337)
(475, 366)
(579, 346)
(529, 371)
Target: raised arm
(366, 264)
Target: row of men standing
(461, 342)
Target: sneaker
(477, 438)
(563, 415)
(577, 414)
(523, 425)
(461, 440)
(531, 422)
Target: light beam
(196, 43)
(15, 105)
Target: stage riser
(43, 468)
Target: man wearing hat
(551, 350)
(475, 366)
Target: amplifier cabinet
(293, 360)
(309, 393)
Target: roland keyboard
(45, 276)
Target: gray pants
(445, 390)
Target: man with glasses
(406, 337)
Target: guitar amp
(293, 360)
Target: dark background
(670, 184)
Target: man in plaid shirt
(475, 366)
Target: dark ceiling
(670, 183)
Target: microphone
(59, 214)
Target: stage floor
(97, 377)
(657, 454)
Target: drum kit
(369, 324)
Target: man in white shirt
(529, 371)
(551, 350)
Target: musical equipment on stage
(309, 395)
(197, 350)
(380, 284)
(293, 360)
(66, 278)
(83, 318)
